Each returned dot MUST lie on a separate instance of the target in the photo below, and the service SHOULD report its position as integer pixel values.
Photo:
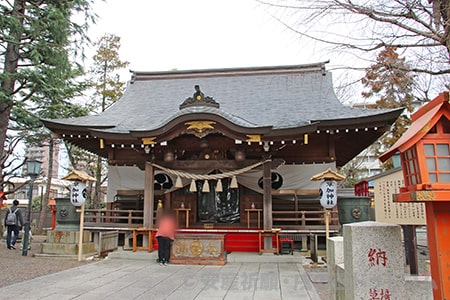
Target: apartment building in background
(41, 153)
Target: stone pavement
(128, 275)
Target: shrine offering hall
(230, 151)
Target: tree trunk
(89, 198)
(10, 67)
(98, 183)
(98, 169)
(43, 214)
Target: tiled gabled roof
(281, 97)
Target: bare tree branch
(10, 164)
(421, 28)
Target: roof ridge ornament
(199, 99)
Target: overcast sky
(198, 34)
(161, 35)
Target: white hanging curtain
(295, 177)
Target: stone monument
(368, 263)
(374, 266)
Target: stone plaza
(128, 275)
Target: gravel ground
(16, 268)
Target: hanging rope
(187, 175)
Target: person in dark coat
(165, 236)
(10, 229)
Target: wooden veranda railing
(124, 216)
(300, 220)
(304, 219)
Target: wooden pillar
(296, 206)
(409, 236)
(267, 202)
(438, 217)
(149, 196)
(331, 147)
(167, 201)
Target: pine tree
(38, 78)
(108, 86)
(108, 89)
(37, 38)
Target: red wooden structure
(425, 156)
(2, 197)
(362, 188)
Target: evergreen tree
(108, 86)
(38, 39)
(38, 78)
(108, 89)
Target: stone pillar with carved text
(374, 262)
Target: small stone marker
(335, 256)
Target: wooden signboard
(388, 211)
(198, 249)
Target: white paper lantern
(78, 193)
(328, 194)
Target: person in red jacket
(165, 236)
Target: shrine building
(229, 149)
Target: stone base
(67, 227)
(65, 243)
(66, 249)
(419, 287)
(67, 237)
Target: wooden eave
(379, 120)
(177, 127)
(73, 129)
(166, 132)
(325, 145)
(51, 124)
(290, 133)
